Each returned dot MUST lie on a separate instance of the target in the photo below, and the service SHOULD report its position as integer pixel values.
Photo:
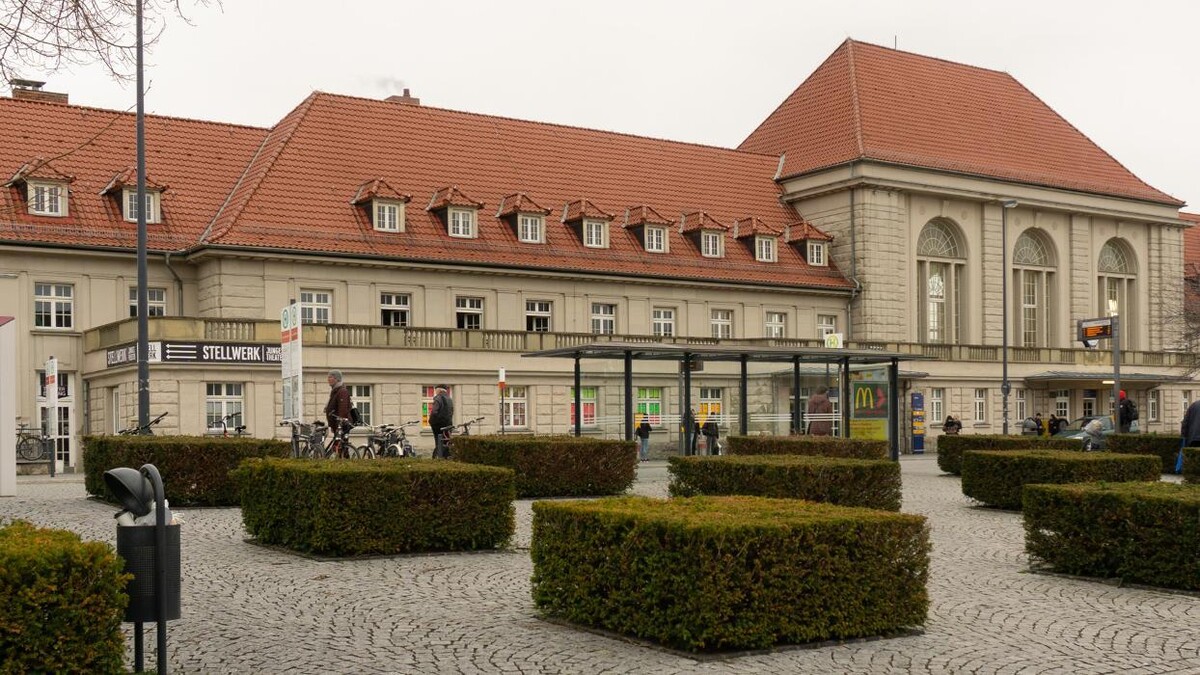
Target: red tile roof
(867, 102)
(637, 216)
(699, 220)
(804, 231)
(519, 203)
(39, 168)
(128, 177)
(583, 208)
(378, 189)
(1191, 245)
(747, 227)
(451, 196)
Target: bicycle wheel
(365, 451)
(393, 450)
(30, 449)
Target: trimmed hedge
(823, 446)
(997, 478)
(951, 447)
(195, 469)
(61, 603)
(364, 507)
(1166, 446)
(870, 483)
(1147, 533)
(555, 466)
(1191, 465)
(719, 573)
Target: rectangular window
(47, 200)
(530, 229)
(656, 239)
(1089, 402)
(315, 307)
(394, 309)
(153, 215)
(587, 399)
(776, 325)
(389, 217)
(981, 405)
(649, 405)
(156, 302)
(537, 316)
(468, 313)
(710, 404)
(516, 407)
(764, 249)
(1184, 403)
(1062, 403)
(722, 323)
(595, 234)
(53, 305)
(360, 397)
(221, 399)
(826, 324)
(1152, 405)
(937, 405)
(710, 244)
(816, 254)
(1022, 405)
(604, 318)
(663, 321)
(462, 223)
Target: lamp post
(143, 329)
(1005, 387)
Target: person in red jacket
(337, 410)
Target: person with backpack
(1126, 413)
(338, 409)
(643, 433)
(441, 415)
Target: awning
(1075, 379)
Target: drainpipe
(178, 282)
(854, 292)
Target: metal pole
(743, 405)
(844, 398)
(578, 400)
(894, 409)
(1005, 386)
(1116, 345)
(160, 561)
(689, 430)
(629, 396)
(795, 394)
(143, 327)
(502, 428)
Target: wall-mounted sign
(1095, 329)
(196, 352)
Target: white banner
(292, 362)
(51, 396)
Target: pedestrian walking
(643, 434)
(337, 410)
(819, 404)
(1189, 433)
(441, 415)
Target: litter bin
(136, 545)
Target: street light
(1005, 387)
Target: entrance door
(59, 423)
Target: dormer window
(382, 204)
(764, 249)
(656, 239)
(595, 234)
(530, 228)
(816, 254)
(710, 244)
(387, 215)
(462, 223)
(129, 204)
(457, 211)
(47, 199)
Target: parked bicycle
(448, 433)
(32, 442)
(148, 428)
(340, 446)
(308, 440)
(388, 440)
(223, 425)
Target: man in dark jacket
(1126, 413)
(337, 410)
(1189, 432)
(441, 415)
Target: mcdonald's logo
(864, 399)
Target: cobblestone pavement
(251, 609)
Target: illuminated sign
(1095, 329)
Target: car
(1074, 430)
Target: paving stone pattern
(249, 609)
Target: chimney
(404, 99)
(31, 90)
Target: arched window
(1033, 281)
(1116, 283)
(941, 262)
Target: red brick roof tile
(451, 196)
(1191, 244)
(804, 231)
(378, 189)
(128, 177)
(748, 227)
(637, 216)
(699, 220)
(867, 102)
(583, 208)
(39, 168)
(519, 203)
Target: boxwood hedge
(195, 469)
(1191, 465)
(359, 507)
(720, 573)
(950, 447)
(1165, 446)
(824, 446)
(997, 478)
(871, 483)
(61, 603)
(1142, 532)
(556, 466)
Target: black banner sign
(197, 352)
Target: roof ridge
(128, 113)
(788, 98)
(872, 45)
(858, 132)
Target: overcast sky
(706, 71)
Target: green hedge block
(823, 446)
(870, 483)
(1166, 446)
(1191, 465)
(195, 469)
(61, 603)
(555, 466)
(1147, 533)
(950, 447)
(721, 573)
(365, 507)
(997, 478)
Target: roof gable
(378, 189)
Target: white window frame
(221, 399)
(1062, 403)
(55, 301)
(604, 318)
(721, 323)
(516, 407)
(387, 215)
(587, 396)
(530, 228)
(711, 400)
(595, 234)
(656, 239)
(316, 306)
(937, 405)
(465, 307)
(1022, 404)
(764, 249)
(662, 321)
(156, 301)
(980, 408)
(1153, 404)
(153, 206)
(775, 324)
(46, 198)
(711, 244)
(539, 310)
(461, 223)
(650, 398)
(396, 305)
(826, 324)
(360, 397)
(817, 254)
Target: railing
(340, 335)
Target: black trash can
(135, 543)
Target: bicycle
(308, 440)
(448, 433)
(148, 428)
(388, 440)
(340, 446)
(32, 442)
(223, 423)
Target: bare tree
(44, 35)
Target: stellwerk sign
(196, 352)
